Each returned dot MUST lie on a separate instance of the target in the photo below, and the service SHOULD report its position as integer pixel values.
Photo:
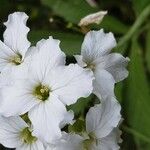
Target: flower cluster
(36, 86)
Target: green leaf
(148, 50)
(137, 99)
(111, 23)
(71, 10)
(81, 106)
(77, 127)
(4, 6)
(118, 91)
(70, 42)
(139, 5)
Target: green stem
(135, 26)
(137, 134)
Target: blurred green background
(129, 20)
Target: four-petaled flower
(108, 68)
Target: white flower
(108, 68)
(49, 87)
(15, 133)
(13, 51)
(68, 141)
(101, 123)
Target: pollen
(41, 92)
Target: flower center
(17, 59)
(27, 137)
(91, 66)
(88, 142)
(41, 92)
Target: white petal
(10, 70)
(18, 101)
(50, 114)
(11, 73)
(71, 82)
(110, 142)
(103, 84)
(5, 79)
(5, 54)
(68, 119)
(38, 145)
(68, 142)
(102, 118)
(10, 131)
(96, 44)
(79, 59)
(116, 65)
(47, 55)
(24, 147)
(15, 35)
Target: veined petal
(18, 101)
(102, 118)
(68, 119)
(115, 64)
(15, 35)
(50, 114)
(38, 145)
(10, 131)
(11, 73)
(47, 56)
(97, 44)
(79, 59)
(103, 85)
(50, 48)
(111, 141)
(71, 82)
(67, 142)
(5, 54)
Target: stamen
(17, 59)
(91, 66)
(41, 92)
